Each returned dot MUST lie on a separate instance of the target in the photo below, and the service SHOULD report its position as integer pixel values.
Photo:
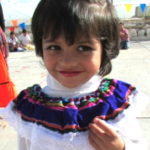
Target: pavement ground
(132, 66)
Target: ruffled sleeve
(127, 125)
(138, 101)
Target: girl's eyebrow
(86, 42)
(49, 41)
(76, 42)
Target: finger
(94, 145)
(98, 132)
(98, 141)
(104, 127)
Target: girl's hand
(103, 137)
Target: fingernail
(95, 120)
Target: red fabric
(7, 88)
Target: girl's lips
(70, 73)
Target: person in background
(3, 43)
(26, 40)
(7, 88)
(124, 37)
(13, 42)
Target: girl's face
(72, 65)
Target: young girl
(77, 110)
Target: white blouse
(34, 137)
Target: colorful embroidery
(75, 114)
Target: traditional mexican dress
(7, 88)
(58, 118)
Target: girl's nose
(68, 60)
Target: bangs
(73, 19)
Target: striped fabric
(75, 114)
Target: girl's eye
(53, 47)
(84, 48)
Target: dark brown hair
(2, 25)
(75, 17)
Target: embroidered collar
(55, 113)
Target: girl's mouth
(70, 73)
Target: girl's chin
(71, 85)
